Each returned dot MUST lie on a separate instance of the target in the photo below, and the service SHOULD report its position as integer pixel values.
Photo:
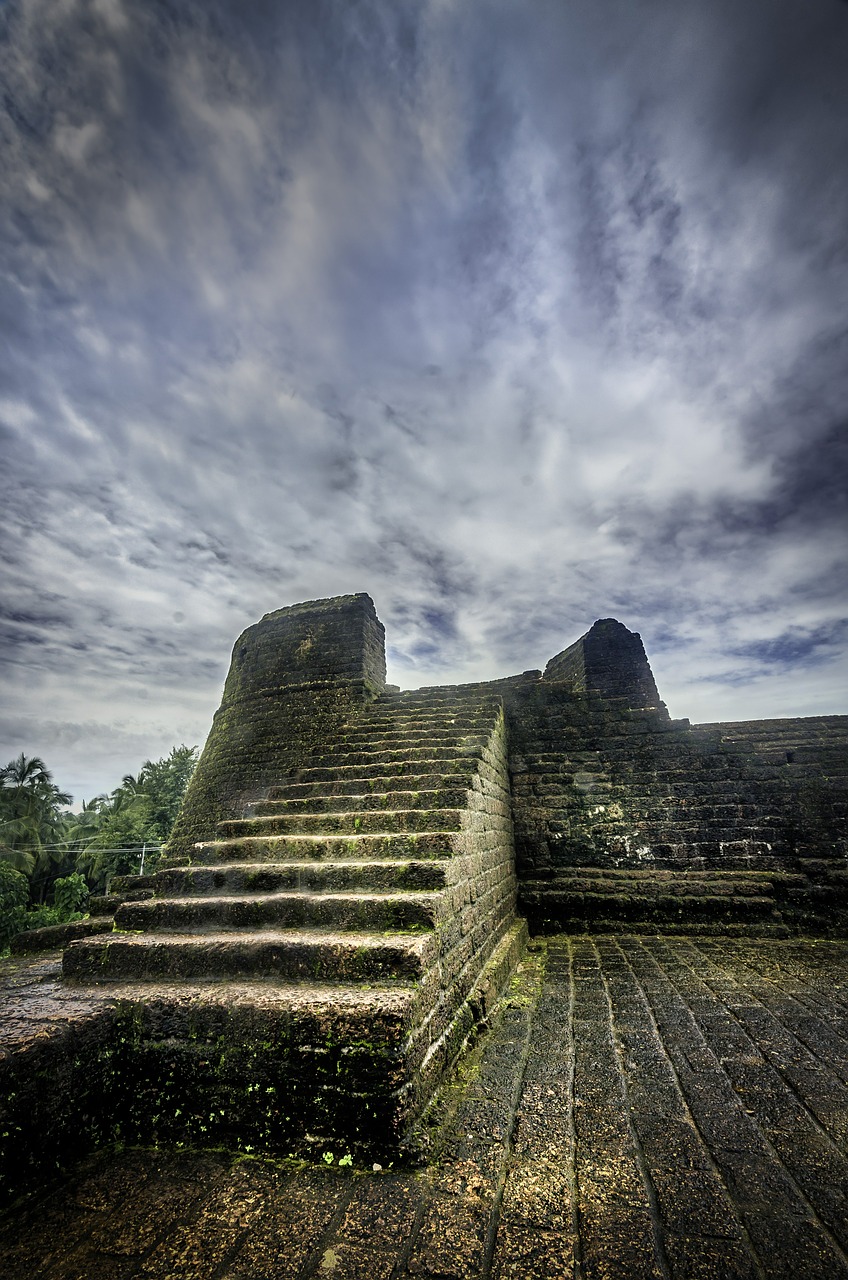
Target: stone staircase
(364, 910)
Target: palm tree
(33, 826)
(25, 771)
(19, 859)
(85, 824)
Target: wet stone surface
(643, 1107)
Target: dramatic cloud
(514, 316)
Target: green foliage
(113, 830)
(120, 829)
(164, 784)
(60, 851)
(41, 916)
(14, 891)
(70, 895)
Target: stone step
(455, 717)
(351, 756)
(660, 888)
(105, 904)
(462, 698)
(129, 884)
(299, 848)
(651, 873)
(364, 787)
(445, 721)
(361, 822)
(430, 717)
(425, 721)
(338, 911)
(661, 875)
(332, 1066)
(837, 876)
(446, 765)
(676, 928)
(445, 798)
(52, 936)
(633, 906)
(366, 868)
(831, 891)
(807, 919)
(304, 877)
(413, 740)
(288, 955)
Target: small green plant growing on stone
(328, 1157)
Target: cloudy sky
(513, 313)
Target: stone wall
(622, 813)
(597, 783)
(479, 904)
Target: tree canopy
(44, 842)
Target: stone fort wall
(603, 781)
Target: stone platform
(643, 1106)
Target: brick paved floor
(645, 1107)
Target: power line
(65, 847)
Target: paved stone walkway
(645, 1107)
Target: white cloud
(112, 11)
(75, 141)
(18, 414)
